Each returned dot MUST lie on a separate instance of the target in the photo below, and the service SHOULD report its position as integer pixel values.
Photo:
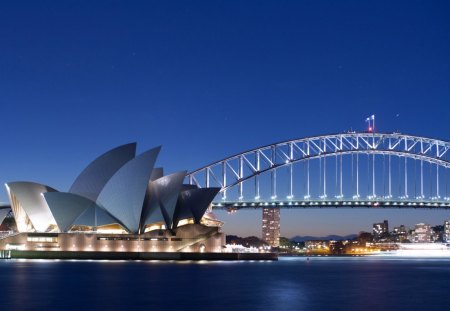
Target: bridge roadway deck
(234, 205)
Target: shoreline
(326, 255)
(19, 254)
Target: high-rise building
(271, 226)
(447, 231)
(380, 230)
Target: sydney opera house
(120, 203)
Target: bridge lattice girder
(235, 170)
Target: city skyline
(214, 79)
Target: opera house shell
(119, 202)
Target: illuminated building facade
(317, 244)
(422, 233)
(447, 231)
(119, 203)
(271, 226)
(400, 234)
(380, 230)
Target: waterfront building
(119, 203)
(380, 230)
(271, 226)
(400, 234)
(422, 233)
(447, 231)
(317, 244)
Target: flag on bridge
(371, 127)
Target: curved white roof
(157, 172)
(162, 199)
(28, 197)
(123, 195)
(194, 203)
(94, 177)
(66, 207)
(116, 188)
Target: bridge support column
(271, 226)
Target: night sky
(208, 79)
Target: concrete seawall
(140, 255)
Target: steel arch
(234, 170)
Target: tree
(365, 237)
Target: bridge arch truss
(354, 167)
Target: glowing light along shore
(419, 250)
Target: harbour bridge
(352, 170)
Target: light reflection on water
(320, 283)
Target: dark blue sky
(207, 79)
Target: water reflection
(290, 284)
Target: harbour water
(317, 283)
